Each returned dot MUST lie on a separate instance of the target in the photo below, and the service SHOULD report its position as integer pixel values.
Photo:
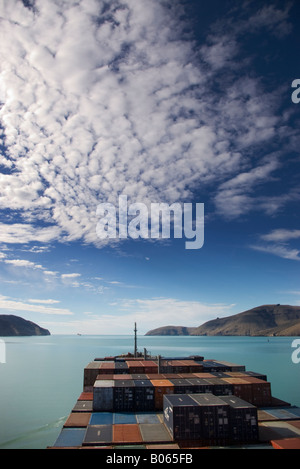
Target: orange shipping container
(161, 387)
(128, 433)
(86, 396)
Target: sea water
(42, 377)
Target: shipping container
(277, 430)
(140, 376)
(182, 416)
(124, 395)
(78, 419)
(146, 417)
(86, 396)
(107, 368)
(154, 433)
(201, 385)
(98, 435)
(83, 406)
(135, 367)
(214, 417)
(295, 423)
(152, 376)
(103, 397)
(90, 373)
(243, 419)
(124, 418)
(182, 386)
(101, 418)
(192, 366)
(122, 377)
(211, 365)
(144, 399)
(220, 387)
(204, 374)
(121, 368)
(240, 388)
(284, 413)
(256, 375)
(184, 376)
(70, 437)
(161, 387)
(263, 415)
(220, 374)
(127, 434)
(231, 366)
(286, 443)
(149, 366)
(261, 391)
(105, 376)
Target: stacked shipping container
(210, 418)
(207, 403)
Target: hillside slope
(172, 330)
(265, 320)
(11, 325)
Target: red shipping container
(128, 433)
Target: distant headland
(11, 325)
(265, 320)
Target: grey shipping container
(123, 395)
(201, 385)
(182, 416)
(103, 395)
(98, 435)
(143, 395)
(220, 387)
(182, 386)
(214, 416)
(243, 419)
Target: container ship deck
(177, 404)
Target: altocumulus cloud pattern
(106, 98)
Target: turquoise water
(43, 376)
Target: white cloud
(279, 250)
(281, 235)
(18, 306)
(106, 98)
(277, 242)
(70, 276)
(148, 313)
(19, 233)
(46, 302)
(23, 263)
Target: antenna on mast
(135, 341)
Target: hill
(11, 325)
(265, 320)
(172, 330)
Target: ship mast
(135, 341)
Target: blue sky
(165, 102)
